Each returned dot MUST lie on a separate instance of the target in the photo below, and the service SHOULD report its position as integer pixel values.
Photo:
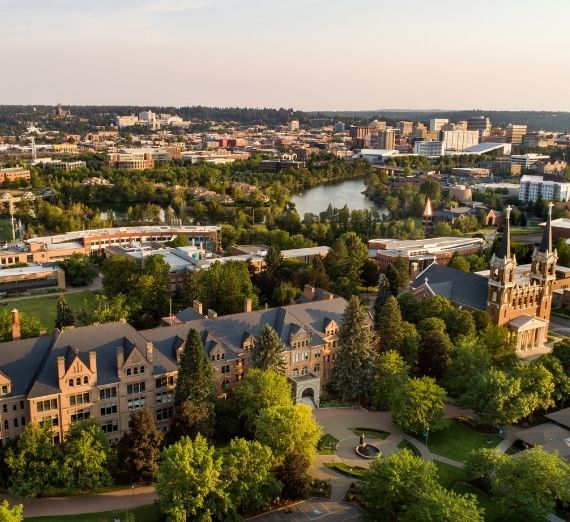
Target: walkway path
(112, 501)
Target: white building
(435, 124)
(533, 187)
(429, 148)
(149, 119)
(127, 121)
(293, 125)
(459, 140)
(375, 155)
(526, 160)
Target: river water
(347, 193)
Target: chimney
(149, 354)
(120, 358)
(93, 361)
(309, 292)
(197, 306)
(16, 333)
(212, 314)
(60, 367)
(247, 305)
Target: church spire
(505, 246)
(427, 211)
(546, 243)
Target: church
(516, 299)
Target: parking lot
(314, 509)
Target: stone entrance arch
(307, 388)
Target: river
(347, 193)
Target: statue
(362, 443)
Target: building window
(80, 398)
(5, 408)
(6, 425)
(110, 426)
(317, 367)
(226, 368)
(80, 415)
(135, 371)
(16, 422)
(78, 381)
(4, 390)
(86, 380)
(163, 414)
(71, 382)
(22, 404)
(137, 387)
(164, 397)
(137, 402)
(108, 409)
(48, 404)
(107, 393)
(163, 382)
(142, 369)
(226, 385)
(304, 370)
(295, 372)
(23, 421)
(128, 372)
(14, 406)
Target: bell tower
(502, 277)
(427, 218)
(543, 268)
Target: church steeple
(427, 218)
(504, 251)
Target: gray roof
(460, 287)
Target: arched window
(78, 381)
(295, 372)
(317, 367)
(305, 370)
(135, 371)
(128, 372)
(86, 380)
(142, 369)
(71, 382)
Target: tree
(268, 350)
(284, 294)
(293, 475)
(106, 310)
(247, 475)
(179, 241)
(288, 429)
(537, 386)
(395, 482)
(33, 462)
(500, 344)
(381, 296)
(469, 359)
(140, 447)
(355, 360)
(187, 482)
(260, 389)
(87, 457)
(560, 378)
(79, 270)
(152, 288)
(482, 320)
(459, 263)
(369, 272)
(409, 307)
(190, 418)
(120, 273)
(434, 351)
(482, 465)
(273, 261)
(419, 406)
(442, 505)
(195, 380)
(390, 376)
(398, 275)
(527, 487)
(389, 325)
(459, 323)
(11, 514)
(30, 326)
(64, 315)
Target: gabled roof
(460, 287)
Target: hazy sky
(307, 54)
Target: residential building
(515, 133)
(405, 128)
(533, 187)
(459, 140)
(431, 148)
(550, 167)
(385, 139)
(435, 124)
(107, 371)
(520, 303)
(481, 124)
(293, 125)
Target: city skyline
(310, 55)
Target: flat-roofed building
(535, 187)
(435, 124)
(14, 174)
(470, 172)
(459, 140)
(430, 148)
(22, 279)
(515, 133)
(526, 161)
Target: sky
(305, 54)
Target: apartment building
(533, 187)
(515, 133)
(435, 124)
(137, 159)
(405, 128)
(107, 371)
(458, 140)
(429, 148)
(481, 124)
(385, 139)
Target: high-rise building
(405, 128)
(515, 133)
(534, 187)
(293, 125)
(459, 140)
(378, 124)
(386, 139)
(429, 148)
(436, 124)
(339, 126)
(481, 124)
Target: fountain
(365, 450)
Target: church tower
(427, 218)
(502, 277)
(543, 268)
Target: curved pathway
(119, 500)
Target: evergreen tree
(139, 449)
(398, 276)
(389, 325)
(195, 375)
(381, 297)
(355, 360)
(64, 314)
(267, 352)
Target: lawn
(342, 468)
(148, 513)
(44, 307)
(371, 433)
(449, 475)
(457, 441)
(327, 445)
(523, 231)
(408, 445)
(492, 511)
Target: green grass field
(457, 441)
(142, 514)
(342, 468)
(405, 444)
(44, 307)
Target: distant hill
(536, 120)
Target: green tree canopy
(389, 325)
(390, 376)
(80, 270)
(64, 314)
(30, 326)
(11, 514)
(268, 350)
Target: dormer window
(4, 390)
(142, 369)
(78, 381)
(135, 371)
